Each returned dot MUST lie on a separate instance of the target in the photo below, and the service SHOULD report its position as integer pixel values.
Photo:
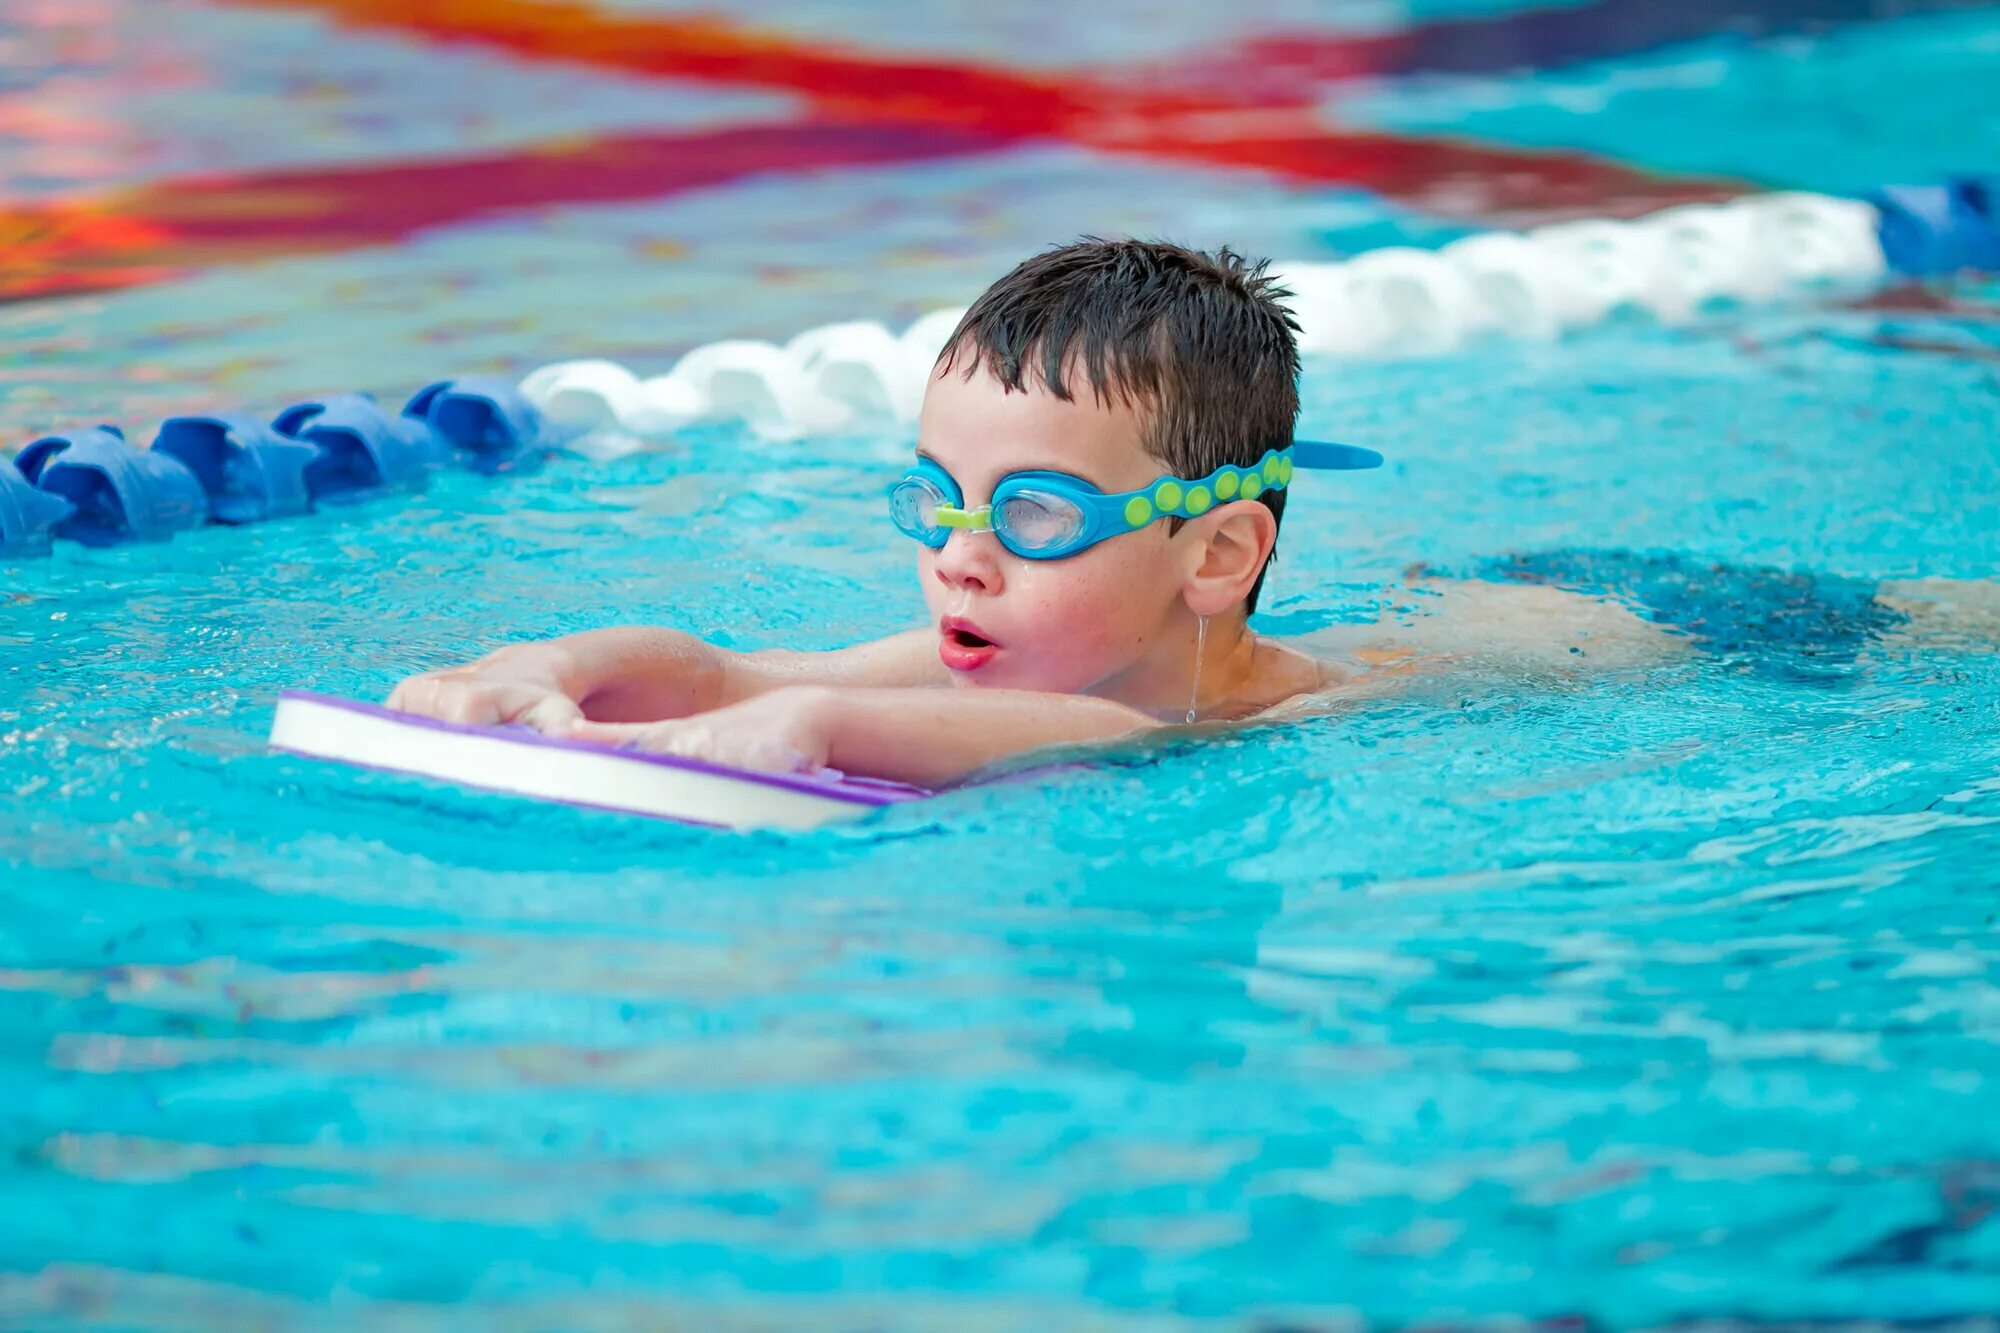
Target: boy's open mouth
(959, 630)
(961, 645)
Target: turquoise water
(1642, 1000)
(1668, 996)
(1844, 112)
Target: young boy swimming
(1103, 455)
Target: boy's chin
(997, 674)
(1010, 675)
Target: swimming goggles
(1049, 515)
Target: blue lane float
(362, 450)
(250, 471)
(28, 515)
(35, 455)
(93, 487)
(486, 419)
(1928, 230)
(117, 493)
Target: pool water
(1642, 998)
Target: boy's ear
(1233, 542)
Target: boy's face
(1091, 622)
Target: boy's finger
(473, 708)
(411, 694)
(552, 716)
(604, 733)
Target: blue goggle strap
(1325, 456)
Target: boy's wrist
(810, 718)
(820, 711)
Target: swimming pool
(1665, 998)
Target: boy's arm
(1515, 626)
(642, 675)
(1937, 612)
(639, 674)
(929, 737)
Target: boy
(1153, 374)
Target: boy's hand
(784, 731)
(506, 687)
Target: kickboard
(522, 762)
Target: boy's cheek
(1068, 623)
(1084, 629)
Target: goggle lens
(913, 506)
(1036, 523)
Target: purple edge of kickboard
(858, 791)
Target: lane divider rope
(89, 485)
(1670, 265)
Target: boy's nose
(970, 560)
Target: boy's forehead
(975, 423)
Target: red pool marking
(868, 109)
(850, 83)
(151, 232)
(66, 248)
(1906, 298)
(1446, 178)
(1149, 116)
(841, 83)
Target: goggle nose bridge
(965, 520)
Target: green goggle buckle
(966, 520)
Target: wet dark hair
(1197, 341)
